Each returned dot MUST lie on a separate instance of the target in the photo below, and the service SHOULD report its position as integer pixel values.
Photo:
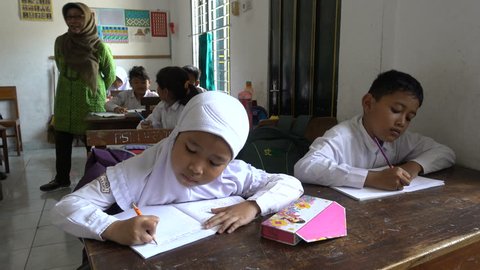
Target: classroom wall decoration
(159, 23)
(121, 27)
(35, 10)
(138, 18)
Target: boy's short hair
(138, 72)
(392, 81)
(193, 70)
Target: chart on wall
(128, 26)
(35, 10)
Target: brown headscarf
(80, 49)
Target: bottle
(245, 97)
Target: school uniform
(164, 116)
(127, 100)
(345, 153)
(148, 179)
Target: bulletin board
(134, 33)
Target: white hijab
(148, 179)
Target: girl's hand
(120, 110)
(146, 124)
(231, 217)
(389, 179)
(133, 231)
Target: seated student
(346, 153)
(194, 77)
(172, 88)
(121, 80)
(196, 162)
(130, 99)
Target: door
(303, 55)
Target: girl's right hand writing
(146, 124)
(133, 231)
(389, 179)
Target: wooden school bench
(436, 228)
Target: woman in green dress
(86, 70)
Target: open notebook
(367, 193)
(179, 224)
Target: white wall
(26, 46)
(436, 41)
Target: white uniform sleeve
(432, 156)
(81, 212)
(271, 192)
(323, 165)
(115, 101)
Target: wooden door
(303, 64)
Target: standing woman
(86, 69)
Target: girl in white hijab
(196, 162)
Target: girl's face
(199, 157)
(75, 20)
(139, 86)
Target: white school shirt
(164, 116)
(81, 212)
(127, 100)
(345, 153)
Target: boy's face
(139, 86)
(192, 80)
(389, 117)
(199, 157)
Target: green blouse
(74, 100)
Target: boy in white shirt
(131, 99)
(346, 153)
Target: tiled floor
(28, 240)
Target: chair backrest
(9, 93)
(149, 102)
(317, 126)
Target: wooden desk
(106, 137)
(424, 229)
(130, 121)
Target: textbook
(308, 218)
(367, 193)
(179, 224)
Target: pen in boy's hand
(139, 213)
(139, 114)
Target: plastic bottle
(245, 97)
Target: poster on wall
(113, 34)
(35, 10)
(159, 23)
(137, 18)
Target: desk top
(130, 121)
(396, 232)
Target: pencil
(383, 153)
(139, 213)
(139, 114)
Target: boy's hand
(120, 110)
(133, 231)
(146, 124)
(389, 179)
(231, 217)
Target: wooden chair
(318, 125)
(150, 103)
(9, 93)
(3, 134)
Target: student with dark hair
(130, 99)
(345, 155)
(86, 69)
(175, 91)
(194, 77)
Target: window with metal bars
(213, 16)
